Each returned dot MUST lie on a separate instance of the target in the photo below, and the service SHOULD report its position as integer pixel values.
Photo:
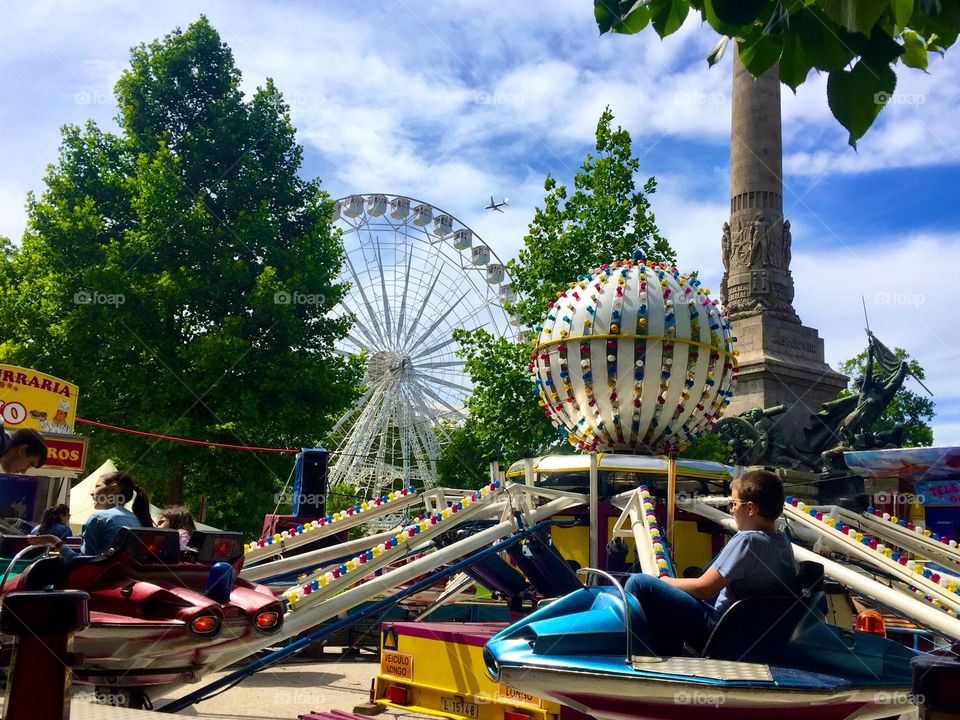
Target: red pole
(43, 624)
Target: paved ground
(286, 691)
(283, 692)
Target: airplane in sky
(496, 205)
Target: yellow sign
(30, 399)
(505, 693)
(397, 664)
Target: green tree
(181, 273)
(857, 42)
(708, 446)
(603, 218)
(464, 460)
(910, 409)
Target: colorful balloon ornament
(634, 357)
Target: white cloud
(693, 225)
(910, 305)
(453, 102)
(916, 127)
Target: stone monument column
(781, 360)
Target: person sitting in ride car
(758, 560)
(179, 518)
(54, 522)
(110, 494)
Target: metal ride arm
(634, 523)
(283, 566)
(305, 615)
(276, 656)
(916, 610)
(894, 534)
(849, 545)
(417, 533)
(432, 500)
(258, 554)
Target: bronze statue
(755, 438)
(875, 395)
(841, 425)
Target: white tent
(81, 503)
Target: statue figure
(755, 438)
(875, 395)
(787, 252)
(844, 424)
(759, 250)
(725, 245)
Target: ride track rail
(344, 591)
(263, 663)
(851, 543)
(312, 531)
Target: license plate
(458, 706)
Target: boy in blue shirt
(758, 560)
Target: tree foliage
(180, 272)
(857, 42)
(602, 218)
(908, 408)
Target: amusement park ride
(633, 356)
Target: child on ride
(54, 522)
(179, 518)
(758, 560)
(111, 492)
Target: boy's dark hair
(763, 489)
(33, 441)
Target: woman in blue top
(54, 522)
(758, 560)
(110, 494)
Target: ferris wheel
(416, 274)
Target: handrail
(623, 596)
(19, 555)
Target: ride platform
(438, 669)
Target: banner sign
(30, 399)
(938, 492)
(66, 453)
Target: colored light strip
(395, 545)
(887, 554)
(331, 519)
(653, 530)
(624, 336)
(899, 522)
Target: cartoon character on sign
(59, 422)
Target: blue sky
(453, 102)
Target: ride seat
(45, 573)
(10, 545)
(757, 629)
